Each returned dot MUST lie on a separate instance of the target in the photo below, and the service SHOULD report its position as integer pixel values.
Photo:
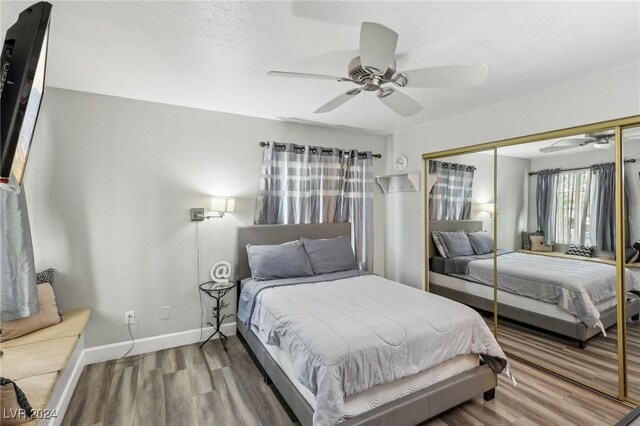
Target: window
(572, 207)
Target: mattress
(379, 395)
(522, 302)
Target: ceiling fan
(599, 140)
(375, 71)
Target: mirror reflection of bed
(555, 265)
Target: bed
(365, 398)
(573, 298)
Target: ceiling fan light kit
(375, 71)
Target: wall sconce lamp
(485, 207)
(219, 206)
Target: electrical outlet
(165, 312)
(129, 317)
(197, 215)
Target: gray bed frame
(578, 331)
(408, 410)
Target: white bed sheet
(379, 395)
(511, 299)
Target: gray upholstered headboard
(278, 234)
(451, 225)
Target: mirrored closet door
(631, 176)
(459, 209)
(557, 298)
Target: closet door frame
(618, 125)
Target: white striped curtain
(450, 197)
(311, 184)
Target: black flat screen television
(22, 73)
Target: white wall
(110, 183)
(607, 96)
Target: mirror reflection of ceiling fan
(375, 71)
(599, 140)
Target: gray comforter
(574, 285)
(346, 335)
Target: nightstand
(217, 291)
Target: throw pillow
(481, 242)
(631, 255)
(526, 239)
(578, 250)
(47, 316)
(330, 255)
(537, 244)
(273, 262)
(437, 241)
(15, 406)
(457, 243)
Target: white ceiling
(215, 55)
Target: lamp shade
(223, 205)
(484, 207)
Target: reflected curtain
(602, 231)
(546, 197)
(310, 184)
(18, 286)
(450, 197)
(572, 209)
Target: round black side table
(217, 291)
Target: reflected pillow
(330, 255)
(456, 243)
(437, 241)
(481, 242)
(526, 238)
(578, 250)
(273, 262)
(631, 255)
(537, 244)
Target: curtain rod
(633, 160)
(267, 143)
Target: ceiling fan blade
(306, 75)
(400, 103)
(338, 100)
(564, 144)
(549, 149)
(377, 46)
(447, 76)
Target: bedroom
(123, 149)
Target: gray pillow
(457, 243)
(288, 260)
(481, 242)
(437, 241)
(330, 255)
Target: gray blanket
(460, 264)
(344, 336)
(574, 285)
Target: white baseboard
(65, 386)
(71, 374)
(152, 344)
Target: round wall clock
(401, 163)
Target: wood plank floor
(188, 386)
(597, 363)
